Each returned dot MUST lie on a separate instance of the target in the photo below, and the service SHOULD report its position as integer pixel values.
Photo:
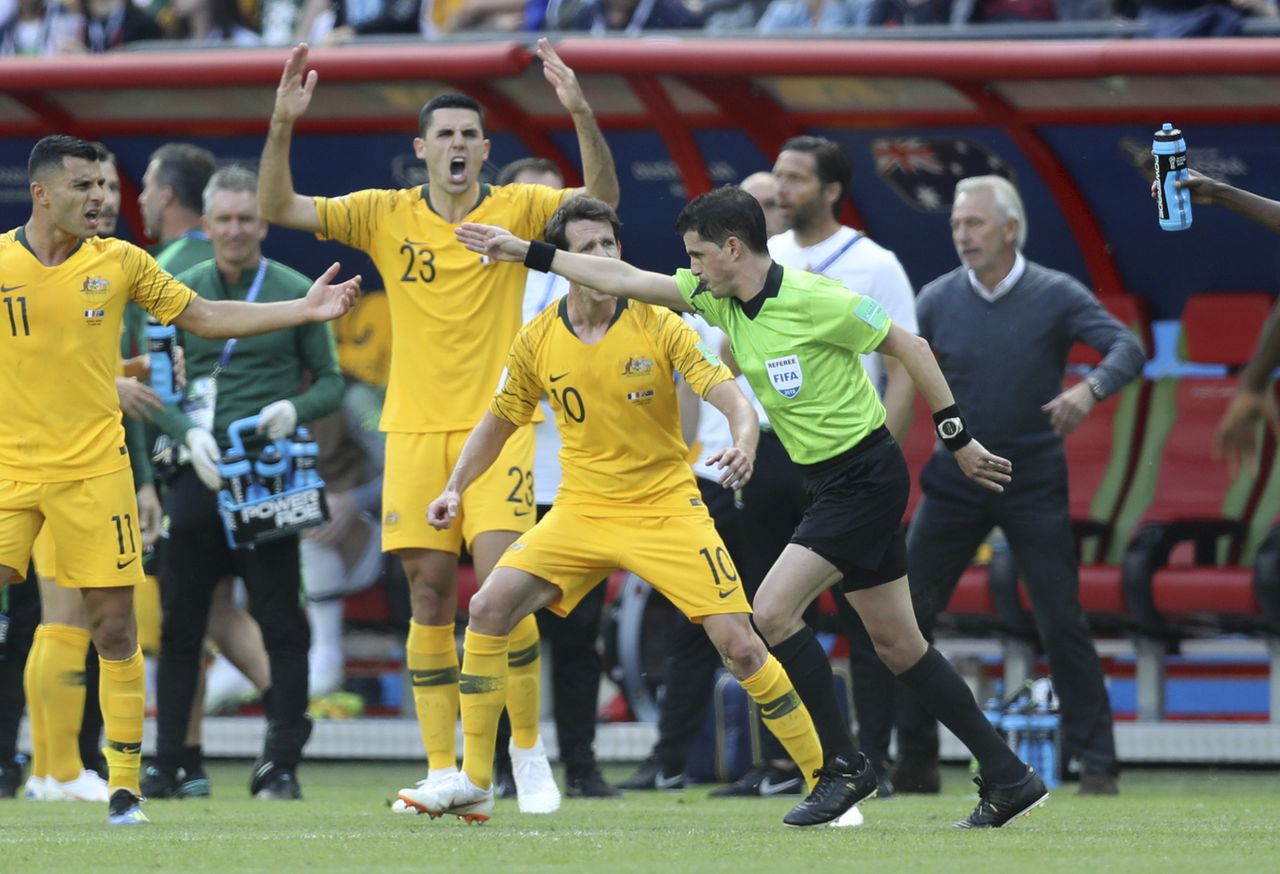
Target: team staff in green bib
(798, 338)
(227, 381)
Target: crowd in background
(54, 27)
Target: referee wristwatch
(1095, 387)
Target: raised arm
(277, 201)
(479, 453)
(987, 470)
(597, 161)
(213, 319)
(607, 275)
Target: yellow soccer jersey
(60, 353)
(453, 314)
(615, 405)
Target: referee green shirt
(798, 343)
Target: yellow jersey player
(627, 499)
(453, 316)
(63, 461)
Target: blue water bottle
(305, 454)
(160, 342)
(1173, 204)
(236, 475)
(271, 469)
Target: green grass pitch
(1201, 821)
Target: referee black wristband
(539, 256)
(951, 429)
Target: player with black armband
(798, 338)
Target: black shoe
(763, 781)
(504, 781)
(274, 783)
(1098, 783)
(917, 776)
(160, 784)
(650, 776)
(125, 808)
(1000, 805)
(840, 786)
(589, 784)
(884, 782)
(10, 778)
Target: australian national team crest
(924, 171)
(785, 375)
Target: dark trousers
(576, 667)
(196, 558)
(952, 520)
(24, 616)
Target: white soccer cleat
(849, 819)
(433, 780)
(36, 788)
(536, 789)
(87, 787)
(457, 796)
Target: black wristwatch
(1095, 387)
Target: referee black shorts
(855, 512)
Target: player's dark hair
(831, 162)
(451, 100)
(508, 174)
(50, 151)
(104, 154)
(723, 213)
(184, 168)
(576, 209)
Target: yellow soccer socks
(59, 687)
(432, 659)
(524, 674)
(785, 715)
(483, 688)
(33, 684)
(122, 693)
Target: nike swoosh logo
(768, 787)
(724, 595)
(521, 512)
(662, 782)
(553, 379)
(122, 565)
(5, 289)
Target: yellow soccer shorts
(93, 524)
(417, 468)
(681, 556)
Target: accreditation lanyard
(230, 346)
(835, 256)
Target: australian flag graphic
(923, 171)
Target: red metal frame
(725, 71)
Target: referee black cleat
(840, 787)
(1000, 805)
(273, 782)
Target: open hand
(989, 471)
(137, 399)
(325, 301)
(562, 78)
(1236, 438)
(498, 243)
(293, 95)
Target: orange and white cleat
(456, 797)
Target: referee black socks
(809, 669)
(944, 693)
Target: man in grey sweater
(1001, 327)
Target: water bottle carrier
(1030, 723)
(261, 519)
